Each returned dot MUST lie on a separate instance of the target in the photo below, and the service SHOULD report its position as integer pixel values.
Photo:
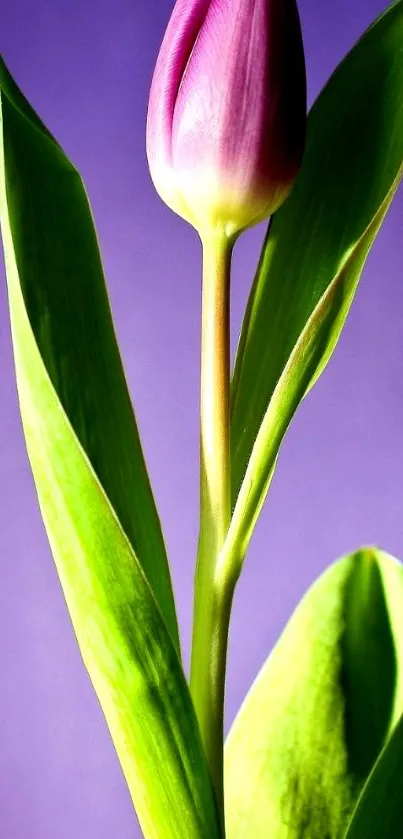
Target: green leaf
(314, 254)
(62, 281)
(379, 813)
(319, 713)
(91, 481)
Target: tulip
(227, 111)
(225, 137)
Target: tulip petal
(240, 106)
(182, 30)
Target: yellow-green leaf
(91, 481)
(322, 707)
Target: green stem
(212, 604)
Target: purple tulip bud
(227, 111)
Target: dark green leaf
(379, 813)
(62, 282)
(351, 169)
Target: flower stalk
(212, 606)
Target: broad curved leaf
(64, 291)
(322, 707)
(351, 169)
(91, 481)
(379, 813)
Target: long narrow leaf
(79, 430)
(350, 172)
(307, 361)
(64, 291)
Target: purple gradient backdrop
(86, 68)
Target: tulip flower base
(227, 112)
(317, 747)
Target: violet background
(86, 68)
